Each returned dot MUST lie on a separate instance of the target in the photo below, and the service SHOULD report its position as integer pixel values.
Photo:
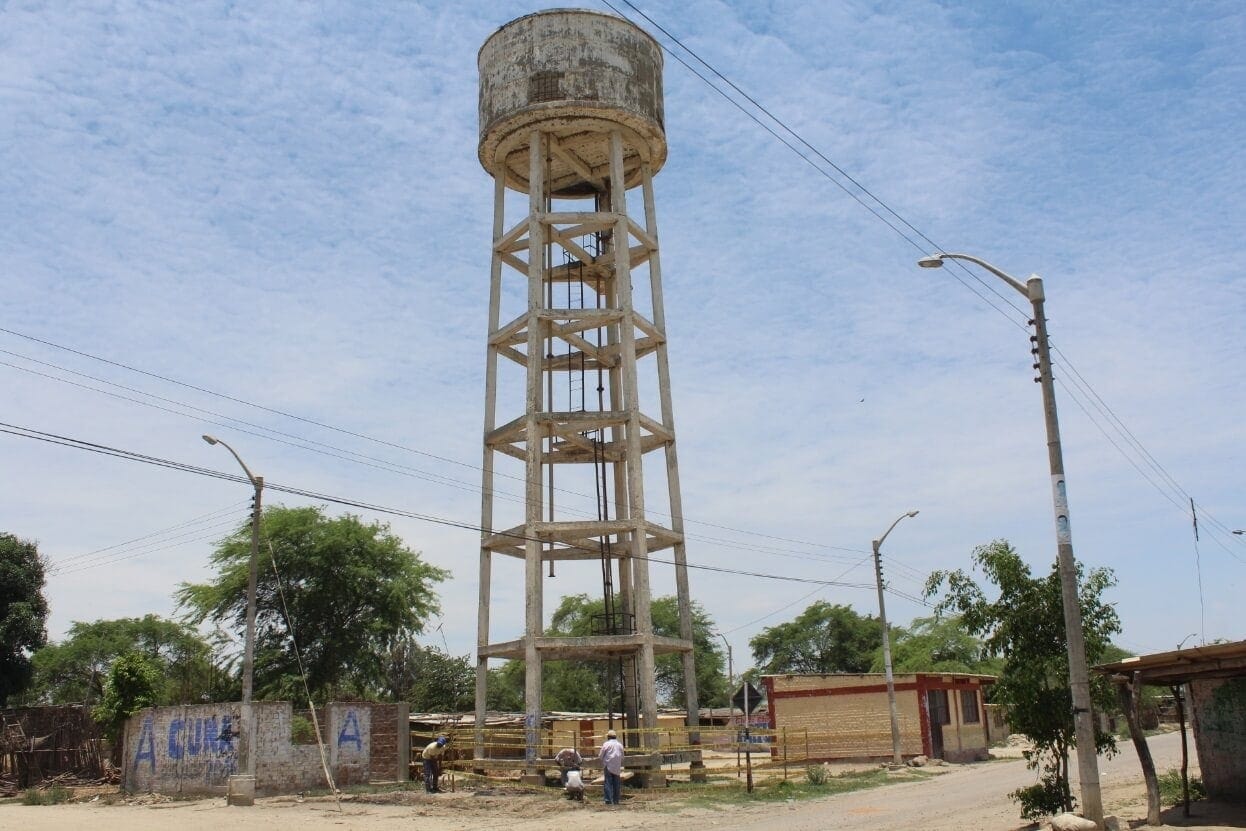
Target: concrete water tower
(571, 118)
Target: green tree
(23, 613)
(429, 679)
(75, 669)
(824, 638)
(353, 589)
(582, 685)
(937, 644)
(133, 682)
(1024, 624)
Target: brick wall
(194, 750)
(391, 742)
(848, 716)
(845, 716)
(1218, 713)
(183, 750)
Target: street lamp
(730, 668)
(1079, 680)
(882, 616)
(248, 650)
(730, 702)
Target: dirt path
(965, 798)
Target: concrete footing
(241, 791)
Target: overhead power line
(129, 455)
(322, 448)
(1079, 389)
(152, 538)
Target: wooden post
(1128, 692)
(1185, 752)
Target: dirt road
(966, 798)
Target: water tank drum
(577, 75)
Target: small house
(847, 716)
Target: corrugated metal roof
(1217, 660)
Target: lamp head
(933, 261)
(912, 514)
(210, 439)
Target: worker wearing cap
(432, 762)
(612, 768)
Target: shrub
(302, 731)
(817, 774)
(54, 795)
(1170, 787)
(1044, 799)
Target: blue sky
(282, 203)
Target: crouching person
(569, 762)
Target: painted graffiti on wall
(187, 746)
(194, 749)
(349, 734)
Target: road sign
(747, 698)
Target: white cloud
(284, 204)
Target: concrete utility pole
(248, 649)
(1079, 676)
(882, 616)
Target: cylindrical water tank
(572, 73)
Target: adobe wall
(844, 716)
(193, 750)
(847, 716)
(1218, 713)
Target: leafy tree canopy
(582, 686)
(1024, 624)
(353, 589)
(429, 679)
(937, 644)
(133, 683)
(76, 668)
(824, 638)
(23, 613)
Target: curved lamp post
(882, 616)
(248, 651)
(1079, 680)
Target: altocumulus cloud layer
(283, 203)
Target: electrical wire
(1093, 398)
(989, 287)
(347, 455)
(121, 557)
(63, 561)
(80, 444)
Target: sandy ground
(961, 798)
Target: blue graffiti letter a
(350, 732)
(146, 748)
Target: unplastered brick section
(194, 750)
(1219, 711)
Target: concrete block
(241, 790)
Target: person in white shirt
(612, 768)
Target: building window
(969, 707)
(544, 86)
